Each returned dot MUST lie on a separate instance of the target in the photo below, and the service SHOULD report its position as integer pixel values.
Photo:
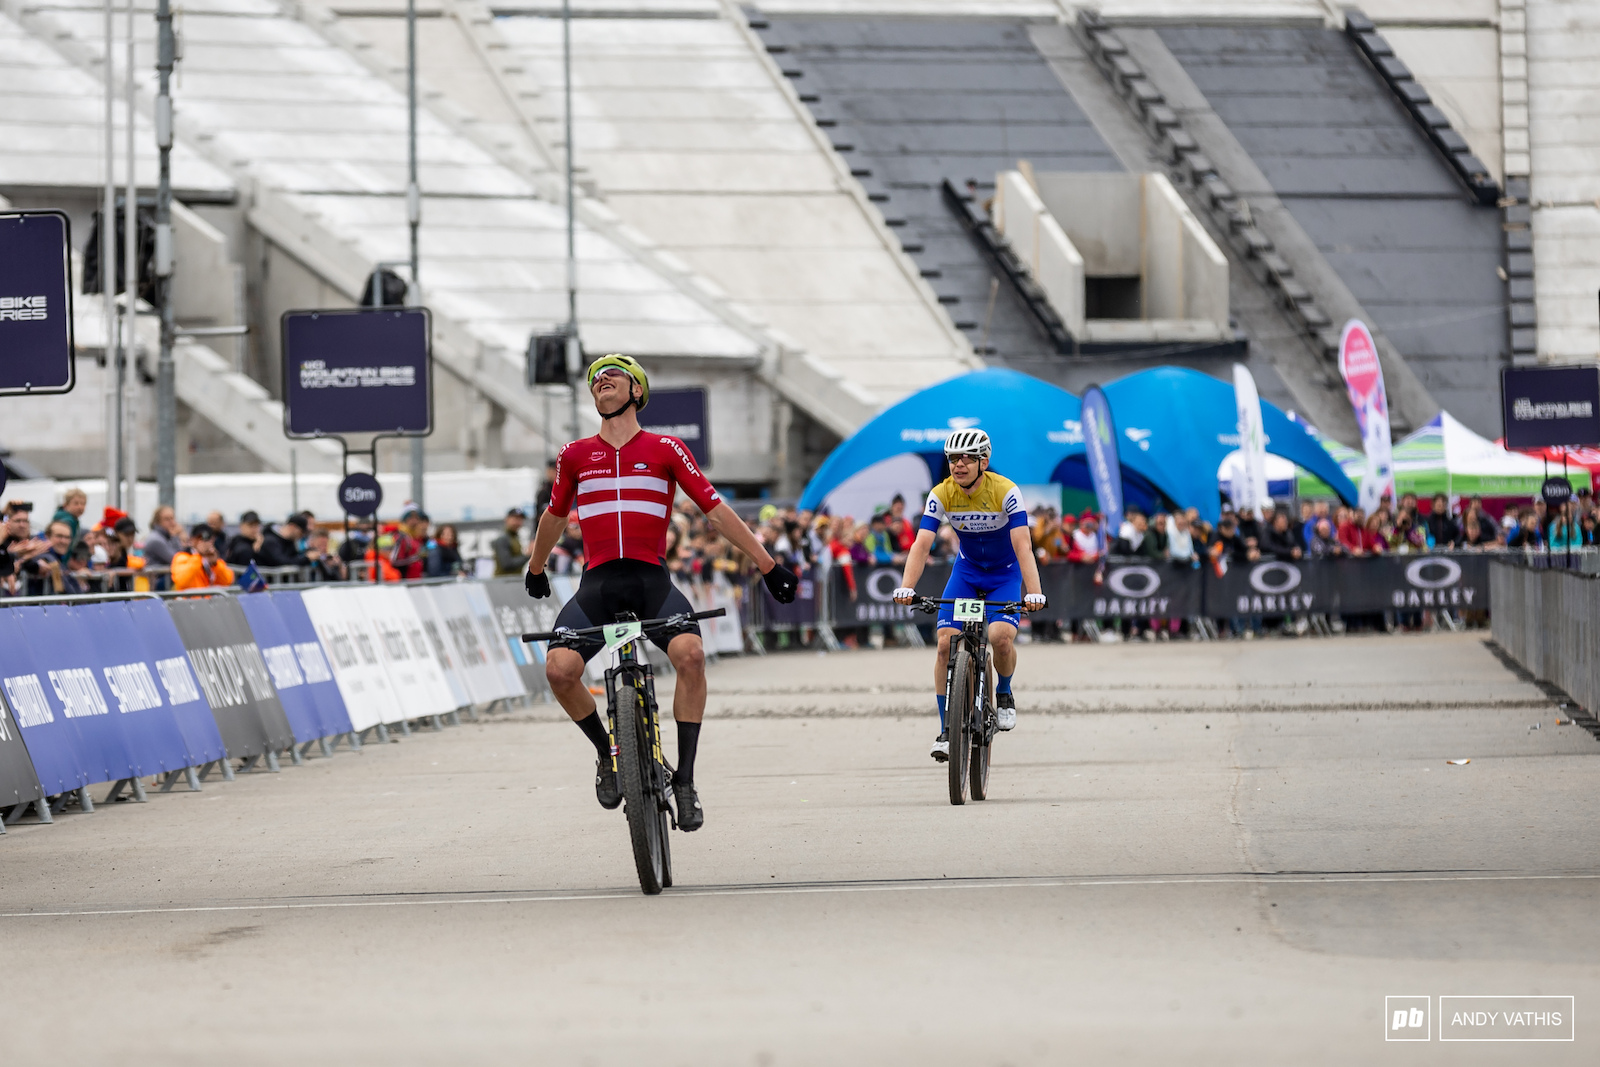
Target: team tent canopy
(1176, 427)
(1446, 457)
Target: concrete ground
(1221, 853)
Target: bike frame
(975, 635)
(635, 671)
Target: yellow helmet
(629, 364)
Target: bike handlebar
(644, 625)
(930, 605)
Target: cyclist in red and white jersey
(622, 483)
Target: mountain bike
(969, 688)
(643, 772)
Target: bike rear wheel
(958, 709)
(635, 762)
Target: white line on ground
(792, 889)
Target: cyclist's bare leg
(688, 656)
(563, 669)
(941, 661)
(1003, 647)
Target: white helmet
(967, 443)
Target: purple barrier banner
(164, 650)
(75, 700)
(277, 651)
(58, 753)
(133, 688)
(332, 716)
(18, 782)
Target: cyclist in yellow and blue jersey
(995, 563)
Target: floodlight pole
(166, 369)
(108, 271)
(127, 428)
(574, 346)
(413, 215)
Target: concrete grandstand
(788, 203)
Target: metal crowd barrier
(1549, 622)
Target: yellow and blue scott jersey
(982, 519)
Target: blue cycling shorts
(972, 583)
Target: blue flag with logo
(1100, 446)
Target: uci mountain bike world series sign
(36, 343)
(366, 370)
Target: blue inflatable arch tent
(1033, 424)
(1175, 427)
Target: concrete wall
(1186, 274)
(1074, 226)
(1041, 243)
(1100, 214)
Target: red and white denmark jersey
(624, 495)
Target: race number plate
(969, 611)
(620, 633)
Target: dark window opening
(1111, 298)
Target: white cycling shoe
(941, 747)
(1005, 712)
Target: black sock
(594, 728)
(688, 741)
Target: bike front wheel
(958, 717)
(635, 762)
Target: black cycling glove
(781, 583)
(538, 585)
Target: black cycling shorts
(619, 585)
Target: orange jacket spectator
(190, 571)
(199, 567)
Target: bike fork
(663, 769)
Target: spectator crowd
(69, 553)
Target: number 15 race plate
(969, 611)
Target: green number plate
(969, 611)
(620, 633)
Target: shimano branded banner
(140, 692)
(233, 676)
(18, 782)
(288, 678)
(332, 717)
(70, 701)
(59, 755)
(164, 648)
